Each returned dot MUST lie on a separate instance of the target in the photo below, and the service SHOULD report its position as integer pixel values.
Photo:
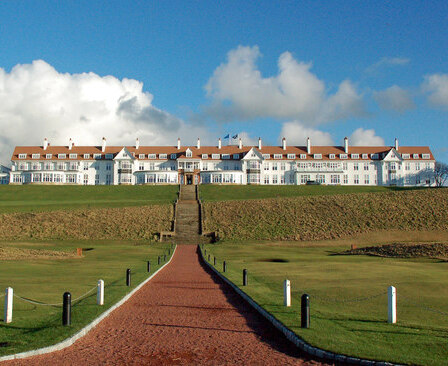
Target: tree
(441, 173)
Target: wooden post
(100, 293)
(391, 305)
(8, 304)
(79, 252)
(286, 293)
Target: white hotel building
(233, 164)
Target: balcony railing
(125, 171)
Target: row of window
(70, 156)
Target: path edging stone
(289, 334)
(81, 333)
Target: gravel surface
(184, 316)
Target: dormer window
(173, 156)
(343, 156)
(189, 153)
(425, 156)
(111, 156)
(236, 156)
(354, 156)
(332, 156)
(48, 156)
(35, 156)
(97, 156)
(22, 156)
(62, 156)
(291, 156)
(162, 156)
(405, 156)
(365, 156)
(204, 156)
(302, 156)
(374, 156)
(225, 156)
(86, 156)
(415, 156)
(215, 156)
(141, 156)
(266, 156)
(317, 156)
(151, 156)
(73, 156)
(278, 156)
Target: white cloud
(362, 137)
(37, 101)
(394, 99)
(238, 90)
(388, 61)
(437, 87)
(296, 134)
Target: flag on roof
(235, 136)
(227, 136)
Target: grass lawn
(46, 279)
(348, 295)
(212, 192)
(35, 198)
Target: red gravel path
(185, 315)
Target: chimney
(219, 143)
(45, 143)
(70, 144)
(396, 144)
(308, 145)
(240, 143)
(103, 146)
(284, 143)
(178, 143)
(259, 143)
(198, 144)
(346, 145)
(137, 143)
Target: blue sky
(371, 70)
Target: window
(61, 156)
(109, 166)
(71, 178)
(344, 166)
(304, 178)
(374, 156)
(86, 156)
(405, 156)
(35, 156)
(266, 179)
(97, 156)
(274, 166)
(266, 156)
(108, 179)
(215, 156)
(354, 156)
(111, 156)
(335, 179)
(73, 156)
(282, 166)
(86, 166)
(407, 166)
(254, 164)
(342, 156)
(356, 179)
(266, 166)
(162, 156)
(317, 156)
(189, 154)
(366, 166)
(365, 156)
(291, 156)
(204, 156)
(320, 178)
(173, 156)
(225, 156)
(278, 156)
(254, 178)
(345, 177)
(332, 156)
(151, 156)
(22, 156)
(141, 156)
(392, 166)
(275, 179)
(48, 156)
(425, 156)
(236, 156)
(417, 166)
(302, 156)
(355, 166)
(141, 166)
(86, 179)
(415, 156)
(97, 179)
(366, 179)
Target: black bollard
(244, 277)
(305, 323)
(205, 251)
(128, 277)
(158, 259)
(148, 266)
(66, 309)
(164, 257)
(214, 261)
(209, 257)
(224, 266)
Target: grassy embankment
(85, 212)
(46, 278)
(348, 294)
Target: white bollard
(8, 305)
(391, 305)
(100, 293)
(286, 293)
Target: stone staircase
(187, 216)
